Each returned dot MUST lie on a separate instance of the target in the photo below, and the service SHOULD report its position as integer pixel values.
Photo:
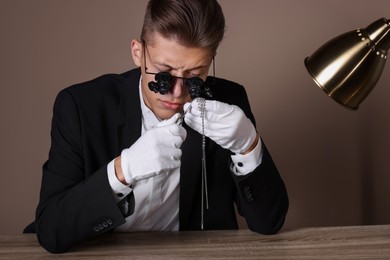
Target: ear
(136, 52)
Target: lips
(171, 105)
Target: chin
(166, 114)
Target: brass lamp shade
(348, 66)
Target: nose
(178, 87)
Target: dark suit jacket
(94, 121)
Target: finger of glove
(169, 160)
(165, 131)
(221, 127)
(196, 124)
(218, 107)
(169, 121)
(193, 121)
(210, 129)
(214, 111)
(166, 136)
(213, 106)
(170, 137)
(176, 130)
(175, 141)
(186, 105)
(170, 155)
(144, 160)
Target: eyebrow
(159, 64)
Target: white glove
(156, 151)
(225, 124)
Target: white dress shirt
(157, 198)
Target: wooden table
(360, 242)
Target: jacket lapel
(129, 114)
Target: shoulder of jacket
(105, 87)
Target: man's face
(165, 55)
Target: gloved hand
(156, 151)
(225, 124)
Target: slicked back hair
(191, 23)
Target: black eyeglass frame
(197, 87)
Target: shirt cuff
(244, 164)
(119, 189)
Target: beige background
(334, 161)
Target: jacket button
(248, 194)
(110, 222)
(96, 229)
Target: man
(144, 150)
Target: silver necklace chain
(204, 192)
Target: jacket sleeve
(74, 204)
(262, 197)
